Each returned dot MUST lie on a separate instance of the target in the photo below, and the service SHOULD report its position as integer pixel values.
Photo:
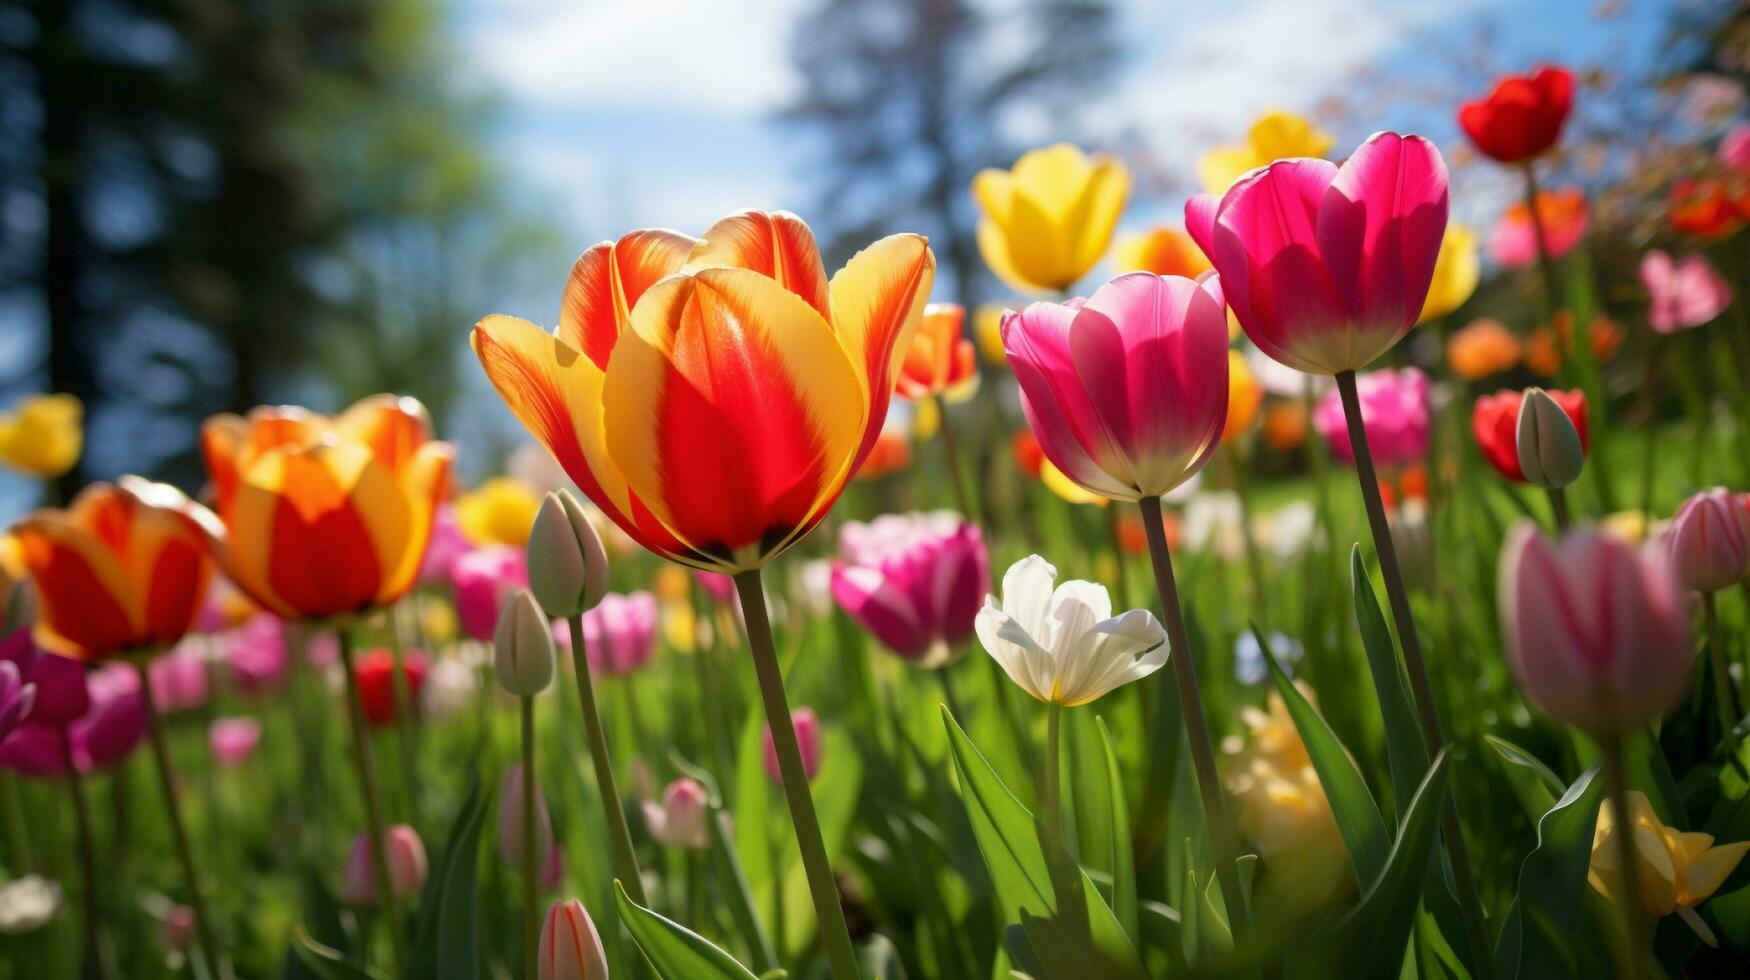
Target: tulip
(1064, 646)
(1709, 540)
(1457, 271)
(1705, 207)
(42, 435)
(1245, 396)
(1734, 149)
(1522, 116)
(121, 570)
(914, 581)
(1684, 293)
(1596, 632)
(1677, 871)
(375, 675)
(255, 654)
(232, 740)
(987, 332)
(770, 424)
(891, 453)
(1328, 267)
(446, 544)
(325, 516)
(98, 717)
(570, 948)
(719, 588)
(1127, 392)
(16, 698)
(680, 819)
(1044, 223)
(1395, 410)
(1164, 251)
(179, 680)
(522, 645)
(498, 512)
(483, 579)
(1276, 135)
(941, 362)
(620, 632)
(807, 728)
(1481, 349)
(1495, 423)
(1285, 426)
(512, 839)
(405, 854)
(1560, 213)
(568, 567)
(1551, 452)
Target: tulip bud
(522, 645)
(570, 946)
(178, 927)
(1709, 540)
(510, 822)
(405, 855)
(680, 820)
(568, 569)
(807, 728)
(1550, 452)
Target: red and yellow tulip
(713, 397)
(325, 516)
(940, 360)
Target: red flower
(376, 679)
(1704, 207)
(1495, 422)
(1522, 117)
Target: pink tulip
(679, 821)
(915, 581)
(1685, 292)
(570, 947)
(1127, 391)
(1734, 149)
(1596, 631)
(179, 679)
(16, 697)
(256, 653)
(482, 577)
(446, 545)
(620, 632)
(1564, 216)
(98, 715)
(553, 870)
(1327, 267)
(1709, 540)
(807, 728)
(511, 837)
(1395, 411)
(718, 586)
(233, 740)
(407, 866)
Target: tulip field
(1240, 599)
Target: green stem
(1716, 655)
(1628, 896)
(94, 969)
(835, 935)
(406, 733)
(1451, 831)
(625, 859)
(1558, 505)
(17, 828)
(951, 449)
(216, 965)
(361, 757)
(1544, 266)
(741, 908)
(531, 853)
(1051, 798)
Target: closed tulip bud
(511, 838)
(680, 820)
(568, 568)
(1709, 540)
(405, 854)
(1551, 454)
(570, 947)
(807, 728)
(522, 646)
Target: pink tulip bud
(807, 728)
(680, 820)
(405, 854)
(1597, 633)
(178, 927)
(1709, 540)
(570, 947)
(510, 821)
(233, 740)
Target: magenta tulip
(17, 697)
(1597, 632)
(446, 545)
(719, 587)
(1395, 410)
(915, 581)
(1682, 293)
(1709, 540)
(1327, 267)
(233, 740)
(807, 728)
(620, 632)
(482, 577)
(1126, 391)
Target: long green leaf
(327, 962)
(446, 941)
(1406, 753)
(678, 953)
(1122, 861)
(1533, 783)
(1538, 937)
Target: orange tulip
(1482, 348)
(891, 453)
(1244, 396)
(1285, 425)
(122, 570)
(713, 396)
(940, 360)
(1164, 251)
(325, 516)
(1545, 349)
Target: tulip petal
(606, 282)
(1037, 245)
(319, 553)
(1095, 215)
(1058, 408)
(1055, 177)
(878, 301)
(993, 247)
(777, 245)
(392, 426)
(69, 564)
(1200, 213)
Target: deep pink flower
(807, 728)
(1127, 391)
(256, 653)
(915, 581)
(1395, 410)
(1709, 540)
(233, 740)
(446, 545)
(17, 697)
(482, 578)
(1684, 292)
(108, 723)
(1734, 151)
(1596, 631)
(1327, 267)
(720, 587)
(620, 632)
(179, 679)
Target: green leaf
(446, 937)
(1538, 936)
(1122, 861)
(1533, 783)
(676, 951)
(879, 959)
(327, 962)
(1405, 750)
(1358, 820)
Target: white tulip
(1065, 646)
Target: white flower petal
(1027, 593)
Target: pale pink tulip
(405, 853)
(620, 632)
(679, 820)
(1709, 540)
(570, 947)
(179, 679)
(807, 728)
(256, 653)
(1394, 409)
(915, 581)
(1684, 292)
(233, 740)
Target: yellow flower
(499, 511)
(1164, 251)
(1067, 488)
(1273, 136)
(1678, 869)
(1047, 221)
(987, 332)
(437, 620)
(42, 435)
(1456, 272)
(1244, 396)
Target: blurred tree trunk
(55, 56)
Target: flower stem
(1544, 266)
(1628, 895)
(1221, 829)
(951, 449)
(1716, 655)
(835, 936)
(1051, 797)
(216, 964)
(19, 858)
(625, 859)
(1451, 831)
(361, 757)
(531, 853)
(94, 969)
(1558, 505)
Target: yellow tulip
(1065, 487)
(987, 331)
(1274, 136)
(42, 435)
(1050, 218)
(1164, 251)
(499, 511)
(1678, 869)
(1456, 273)
(1244, 396)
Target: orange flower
(122, 570)
(1483, 348)
(940, 360)
(1704, 207)
(891, 454)
(1285, 425)
(1244, 396)
(1028, 456)
(1164, 251)
(713, 397)
(1544, 355)
(325, 516)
